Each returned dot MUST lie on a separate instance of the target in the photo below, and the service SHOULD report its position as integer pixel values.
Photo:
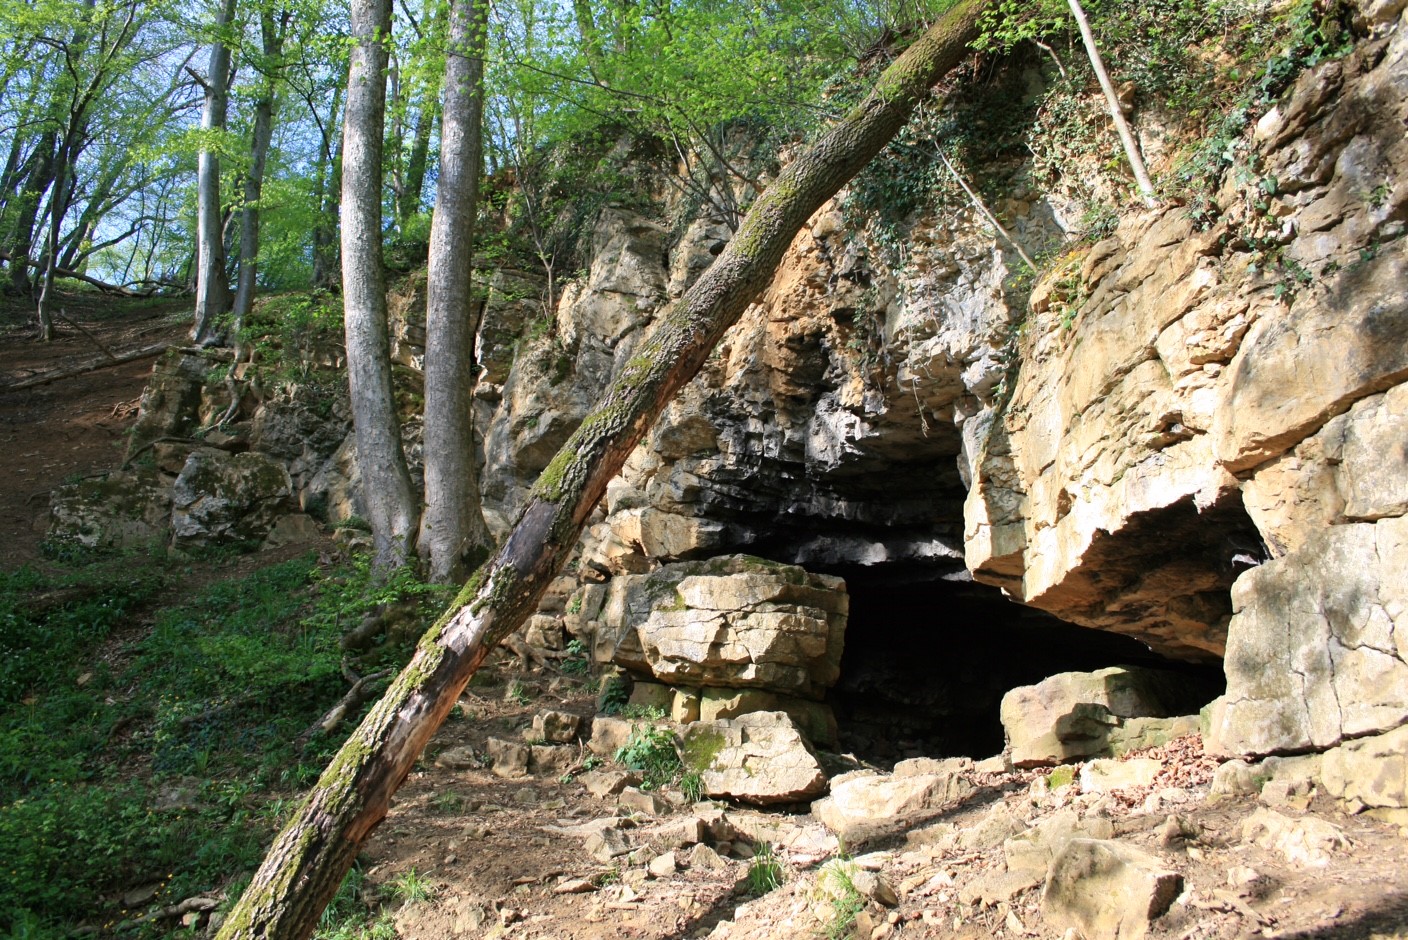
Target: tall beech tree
(386, 484)
(212, 283)
(313, 853)
(452, 523)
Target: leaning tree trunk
(309, 858)
(453, 523)
(212, 284)
(386, 484)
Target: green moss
(700, 748)
(549, 485)
(1060, 777)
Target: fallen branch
(359, 693)
(103, 286)
(88, 365)
(102, 347)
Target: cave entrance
(929, 656)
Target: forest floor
(61, 430)
(467, 853)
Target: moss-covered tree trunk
(309, 858)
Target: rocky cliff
(1185, 443)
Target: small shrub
(692, 786)
(651, 751)
(836, 887)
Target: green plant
(692, 786)
(650, 750)
(448, 802)
(835, 887)
(764, 870)
(646, 712)
(409, 887)
(615, 693)
(575, 663)
(518, 693)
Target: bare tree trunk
(408, 200)
(309, 858)
(272, 35)
(327, 266)
(212, 284)
(453, 523)
(1131, 146)
(386, 485)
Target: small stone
(574, 886)
(607, 844)
(457, 758)
(703, 858)
(510, 759)
(525, 795)
(1104, 776)
(663, 866)
(608, 782)
(555, 727)
(137, 897)
(638, 801)
(609, 735)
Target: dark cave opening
(928, 659)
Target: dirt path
(75, 426)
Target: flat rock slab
(1107, 890)
(867, 806)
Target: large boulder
(733, 622)
(1107, 890)
(1074, 715)
(1317, 653)
(121, 509)
(865, 805)
(759, 758)
(222, 498)
(1371, 773)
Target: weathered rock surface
(1201, 401)
(220, 498)
(733, 622)
(1370, 773)
(1317, 653)
(865, 805)
(121, 509)
(1107, 890)
(1074, 715)
(759, 758)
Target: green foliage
(518, 693)
(576, 662)
(615, 693)
(650, 750)
(692, 786)
(207, 700)
(287, 332)
(764, 870)
(351, 915)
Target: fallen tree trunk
(309, 859)
(88, 365)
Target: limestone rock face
(223, 498)
(758, 758)
(1074, 715)
(171, 401)
(1201, 412)
(122, 509)
(1317, 652)
(734, 622)
(1107, 890)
